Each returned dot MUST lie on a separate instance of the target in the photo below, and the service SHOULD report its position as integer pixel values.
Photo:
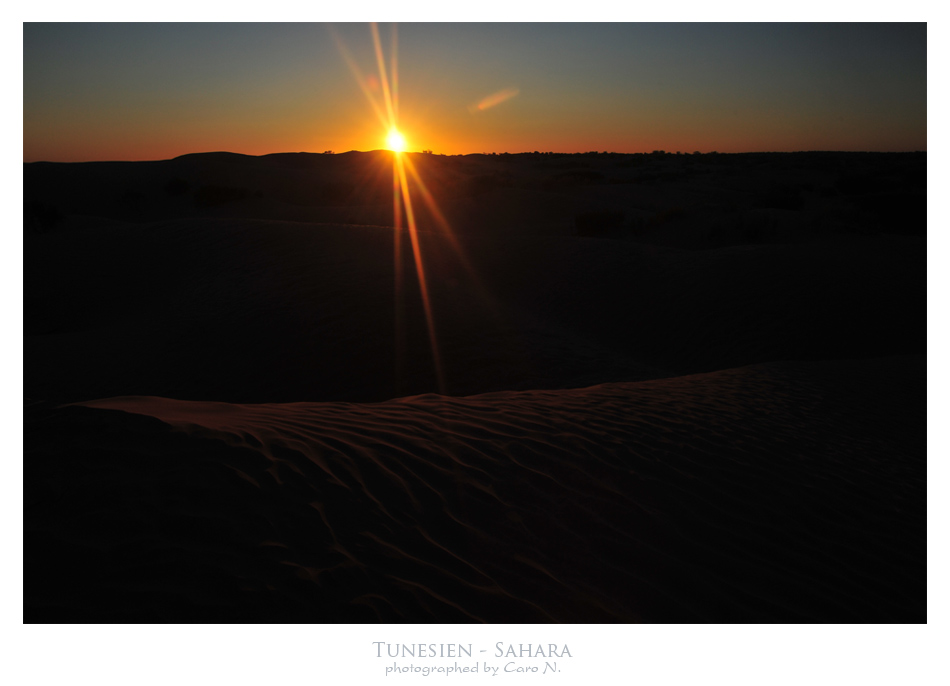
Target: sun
(395, 141)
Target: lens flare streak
(447, 231)
(380, 61)
(402, 202)
(494, 99)
(360, 80)
(420, 270)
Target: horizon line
(487, 154)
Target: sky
(151, 91)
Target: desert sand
(669, 389)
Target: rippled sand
(772, 492)
(619, 434)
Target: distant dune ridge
(685, 201)
(232, 413)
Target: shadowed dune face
(251, 311)
(738, 495)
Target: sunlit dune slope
(776, 492)
(255, 311)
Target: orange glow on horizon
(259, 89)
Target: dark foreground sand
(776, 492)
(233, 416)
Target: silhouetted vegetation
(850, 193)
(335, 192)
(780, 198)
(900, 213)
(177, 186)
(133, 201)
(483, 183)
(859, 183)
(215, 196)
(598, 223)
(631, 161)
(571, 179)
(741, 228)
(40, 217)
(666, 216)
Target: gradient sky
(155, 91)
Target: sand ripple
(778, 492)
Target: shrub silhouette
(570, 179)
(667, 215)
(177, 186)
(899, 213)
(214, 196)
(40, 217)
(598, 223)
(780, 199)
(854, 183)
(133, 201)
(482, 183)
(336, 192)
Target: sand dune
(775, 492)
(233, 415)
(253, 311)
(698, 201)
